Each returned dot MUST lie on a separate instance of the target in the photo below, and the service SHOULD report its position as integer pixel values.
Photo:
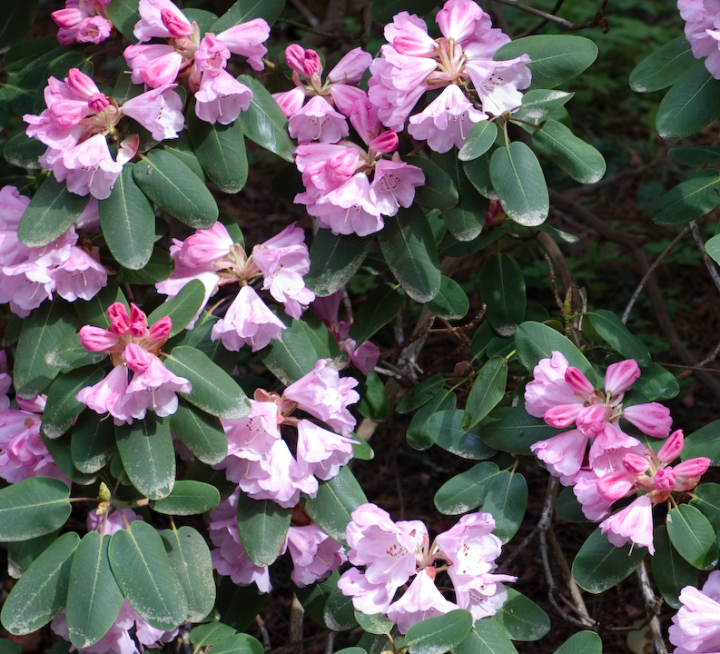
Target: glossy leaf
(672, 573)
(418, 434)
(339, 614)
(478, 141)
(62, 408)
(693, 537)
(689, 200)
(22, 151)
(445, 428)
(691, 104)
(514, 430)
(70, 354)
(521, 618)
(694, 155)
(584, 642)
(246, 10)
(486, 637)
(200, 432)
(182, 308)
(159, 267)
(707, 500)
(487, 390)
(374, 404)
(182, 148)
(520, 184)
(188, 498)
(40, 594)
(614, 333)
(657, 383)
(439, 635)
(94, 311)
(703, 442)
(439, 190)
(600, 565)
(33, 507)
(93, 442)
(170, 184)
(421, 394)
(94, 598)
(478, 173)
(264, 122)
(539, 104)
(263, 527)
(374, 624)
(381, 305)
(209, 633)
(502, 289)
(124, 15)
(408, 245)
(336, 499)
(578, 159)
(220, 149)
(147, 454)
(334, 260)
(127, 220)
(238, 644)
(213, 390)
(143, 571)
(466, 491)
(506, 501)
(189, 557)
(450, 303)
(663, 68)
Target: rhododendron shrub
(187, 394)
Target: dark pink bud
(295, 58)
(119, 320)
(160, 331)
(312, 64)
(386, 142)
(591, 420)
(616, 485)
(98, 102)
(621, 376)
(138, 360)
(68, 18)
(95, 339)
(635, 464)
(578, 382)
(671, 447)
(664, 479)
(138, 322)
(175, 25)
(562, 416)
(692, 467)
(81, 84)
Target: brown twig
(709, 263)
(598, 20)
(651, 605)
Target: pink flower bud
(616, 485)
(98, 102)
(671, 447)
(81, 84)
(68, 18)
(652, 419)
(635, 464)
(95, 339)
(312, 64)
(692, 467)
(128, 149)
(160, 331)
(138, 360)
(664, 479)
(621, 376)
(591, 420)
(119, 320)
(138, 321)
(386, 142)
(177, 28)
(578, 382)
(295, 58)
(563, 415)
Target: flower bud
(671, 447)
(138, 360)
(174, 24)
(295, 58)
(98, 102)
(104, 492)
(68, 18)
(635, 464)
(652, 419)
(138, 321)
(81, 84)
(386, 142)
(95, 339)
(119, 320)
(616, 485)
(562, 416)
(578, 382)
(591, 420)
(621, 376)
(159, 332)
(312, 64)
(692, 467)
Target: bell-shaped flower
(156, 65)
(108, 395)
(79, 276)
(548, 388)
(252, 438)
(83, 22)
(563, 454)
(158, 110)
(212, 55)
(484, 595)
(322, 452)
(161, 18)
(318, 121)
(498, 83)
(652, 418)
(367, 598)
(246, 40)
(420, 601)
(314, 554)
(205, 246)
(633, 523)
(696, 626)
(470, 547)
(585, 487)
(221, 98)
(394, 185)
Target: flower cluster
(132, 345)
(261, 462)
(314, 554)
(394, 551)
(696, 626)
(29, 275)
(702, 30)
(219, 97)
(211, 256)
(83, 21)
(616, 465)
(79, 119)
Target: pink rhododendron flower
(367, 598)
(696, 626)
(83, 21)
(633, 523)
(322, 451)
(318, 121)
(702, 31)
(221, 98)
(314, 554)
(419, 602)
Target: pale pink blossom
(483, 595)
(111, 521)
(322, 452)
(394, 185)
(420, 601)
(79, 276)
(221, 98)
(701, 30)
(585, 487)
(562, 454)
(633, 523)
(212, 55)
(161, 18)
(367, 598)
(652, 419)
(205, 246)
(325, 395)
(107, 396)
(248, 321)
(252, 438)
(314, 554)
(246, 40)
(318, 121)
(696, 626)
(470, 546)
(83, 22)
(158, 110)
(156, 64)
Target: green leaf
(245, 10)
(514, 430)
(381, 305)
(374, 404)
(439, 635)
(536, 341)
(94, 312)
(568, 508)
(466, 491)
(94, 598)
(220, 149)
(159, 267)
(40, 594)
(693, 155)
(555, 59)
(439, 190)
(334, 260)
(70, 354)
(24, 152)
(421, 394)
(445, 428)
(9, 647)
(314, 597)
(506, 501)
(539, 104)
(59, 449)
(182, 308)
(188, 498)
(690, 105)
(502, 289)
(264, 122)
(657, 383)
(62, 408)
(689, 200)
(663, 68)
(520, 184)
(376, 623)
(712, 247)
(18, 17)
(33, 507)
(238, 605)
(600, 565)
(450, 303)
(487, 390)
(693, 537)
(170, 184)
(210, 633)
(143, 571)
(336, 499)
(418, 434)
(213, 390)
(200, 432)
(339, 614)
(672, 573)
(127, 220)
(478, 173)
(303, 343)
(27, 53)
(189, 557)
(148, 455)
(451, 247)
(585, 642)
(42, 332)
(521, 618)
(487, 637)
(611, 329)
(383, 12)
(238, 644)
(706, 498)
(124, 15)
(408, 245)
(93, 442)
(22, 553)
(478, 141)
(578, 159)
(263, 527)
(182, 148)
(703, 442)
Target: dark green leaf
(451, 247)
(18, 17)
(182, 148)
(487, 637)
(487, 390)
(667, 65)
(314, 597)
(466, 491)
(339, 614)
(374, 403)
(93, 442)
(238, 644)
(33, 507)
(538, 105)
(22, 553)
(521, 618)
(210, 633)
(62, 408)
(379, 308)
(578, 159)
(689, 200)
(124, 15)
(439, 635)
(438, 191)
(445, 428)
(693, 536)
(418, 435)
(182, 308)
(568, 508)
(585, 642)
(707, 500)
(70, 354)
(672, 573)
(200, 432)
(59, 449)
(506, 501)
(188, 498)
(450, 303)
(421, 394)
(94, 312)
(693, 155)
(478, 141)
(657, 383)
(703, 442)
(478, 173)
(374, 624)
(238, 605)
(9, 647)
(159, 267)
(614, 333)
(24, 152)
(502, 289)
(263, 527)
(334, 260)
(246, 10)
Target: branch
(706, 258)
(651, 604)
(598, 21)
